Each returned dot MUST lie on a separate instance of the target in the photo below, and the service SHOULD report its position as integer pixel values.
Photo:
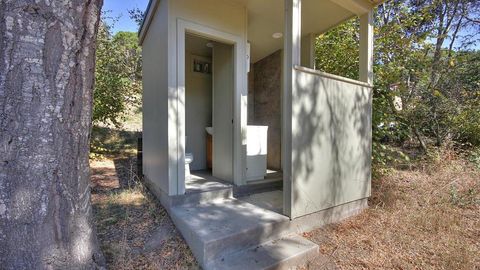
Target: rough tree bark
(47, 50)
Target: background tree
(136, 15)
(47, 51)
(337, 51)
(448, 23)
(424, 57)
(118, 70)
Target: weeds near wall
(134, 229)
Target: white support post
(366, 48)
(291, 58)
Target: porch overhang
(266, 17)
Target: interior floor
(202, 181)
(267, 193)
(271, 176)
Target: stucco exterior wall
(331, 142)
(155, 102)
(222, 15)
(267, 87)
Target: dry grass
(108, 141)
(129, 220)
(423, 217)
(426, 217)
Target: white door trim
(239, 126)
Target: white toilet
(188, 160)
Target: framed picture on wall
(202, 65)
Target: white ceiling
(197, 45)
(266, 17)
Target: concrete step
(202, 196)
(255, 188)
(284, 253)
(218, 228)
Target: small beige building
(244, 142)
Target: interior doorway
(209, 98)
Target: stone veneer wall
(266, 83)
(251, 96)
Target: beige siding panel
(221, 15)
(331, 142)
(155, 97)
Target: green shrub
(474, 157)
(466, 125)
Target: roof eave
(147, 19)
(153, 4)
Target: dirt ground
(134, 230)
(421, 217)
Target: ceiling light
(277, 35)
(209, 45)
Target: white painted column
(291, 58)
(366, 47)
(176, 113)
(180, 107)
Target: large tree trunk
(47, 51)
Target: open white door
(223, 89)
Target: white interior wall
(198, 100)
(308, 51)
(223, 93)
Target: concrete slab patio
(235, 234)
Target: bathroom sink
(209, 130)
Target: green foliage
(384, 155)
(463, 85)
(474, 157)
(337, 51)
(466, 124)
(421, 59)
(117, 76)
